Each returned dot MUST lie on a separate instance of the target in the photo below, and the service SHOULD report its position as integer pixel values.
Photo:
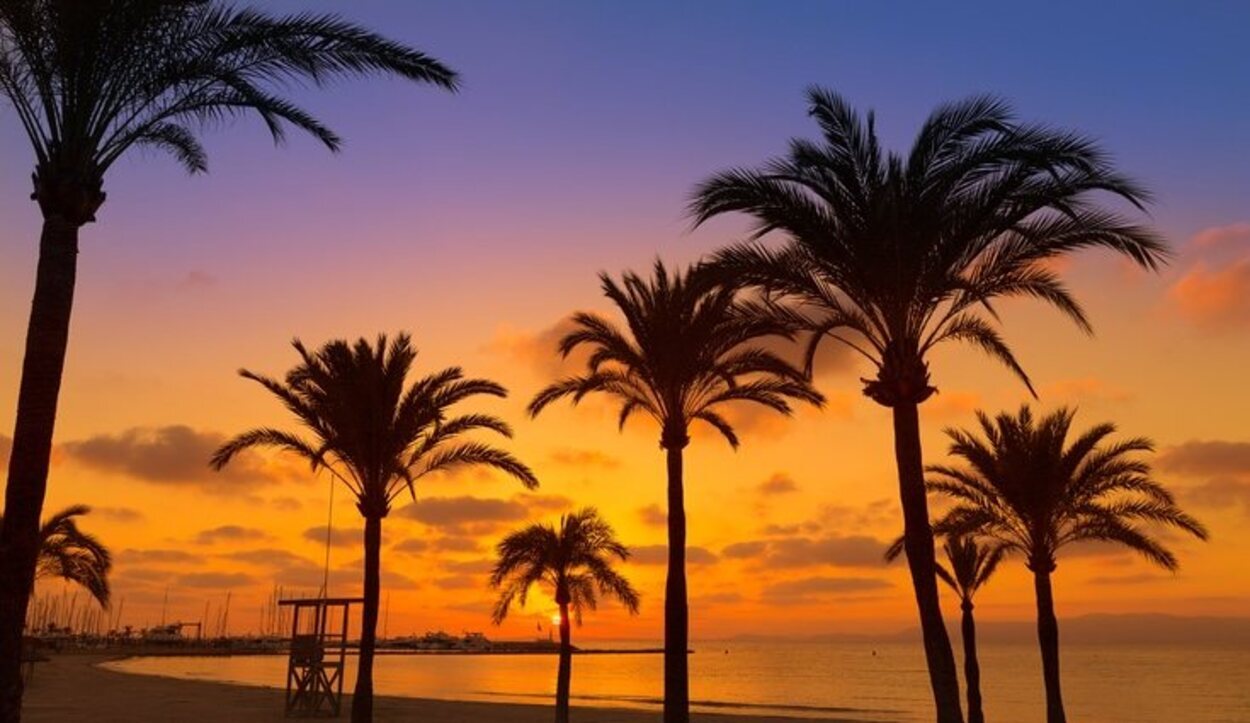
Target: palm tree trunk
(676, 612)
(362, 698)
(47, 337)
(918, 542)
(565, 672)
(1048, 639)
(972, 669)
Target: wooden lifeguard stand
(314, 673)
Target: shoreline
(74, 687)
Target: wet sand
(74, 688)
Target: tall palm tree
(574, 562)
(1026, 487)
(377, 434)
(690, 348)
(91, 81)
(65, 551)
(892, 255)
(971, 565)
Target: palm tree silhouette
(893, 255)
(89, 82)
(1031, 491)
(574, 562)
(971, 566)
(688, 351)
(65, 551)
(377, 435)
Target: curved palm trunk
(1048, 639)
(362, 698)
(565, 673)
(676, 613)
(972, 669)
(918, 542)
(47, 337)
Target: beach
(76, 688)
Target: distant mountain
(1102, 629)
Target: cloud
(215, 580)
(286, 504)
(230, 533)
(538, 350)
(1221, 492)
(951, 405)
(411, 546)
(804, 589)
(1213, 290)
(197, 279)
(653, 516)
(339, 536)
(455, 544)
(173, 455)
(180, 557)
(1200, 458)
(1084, 389)
(798, 551)
(658, 555)
(478, 567)
(779, 484)
(118, 514)
(460, 582)
(584, 458)
(1138, 579)
(745, 550)
(468, 515)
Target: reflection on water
(846, 681)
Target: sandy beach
(74, 688)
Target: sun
(555, 618)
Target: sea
(841, 681)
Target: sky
(478, 221)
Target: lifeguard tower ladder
(314, 674)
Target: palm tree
(688, 352)
(91, 81)
(574, 562)
(893, 255)
(1032, 492)
(65, 551)
(971, 566)
(377, 435)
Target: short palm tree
(574, 563)
(89, 82)
(377, 434)
(892, 255)
(1027, 488)
(969, 566)
(689, 349)
(66, 552)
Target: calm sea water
(841, 681)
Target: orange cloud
(1083, 389)
(952, 405)
(1213, 292)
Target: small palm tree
(892, 255)
(89, 83)
(971, 565)
(65, 551)
(689, 350)
(574, 562)
(1032, 492)
(377, 434)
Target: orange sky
(785, 534)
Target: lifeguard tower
(314, 674)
